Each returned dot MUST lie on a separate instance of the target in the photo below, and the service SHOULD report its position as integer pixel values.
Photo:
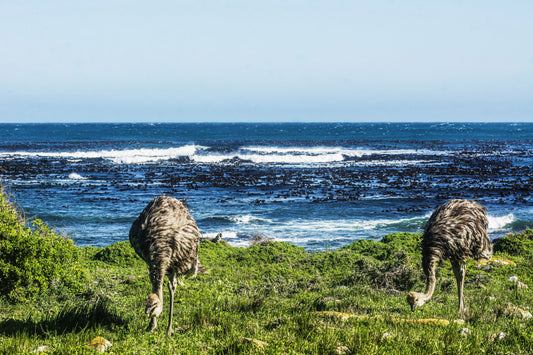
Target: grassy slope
(270, 293)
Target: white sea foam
(309, 155)
(259, 155)
(269, 156)
(397, 162)
(347, 225)
(293, 159)
(495, 223)
(75, 176)
(303, 231)
(352, 152)
(269, 159)
(143, 155)
(317, 155)
(500, 222)
(139, 156)
(127, 156)
(249, 219)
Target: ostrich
(216, 239)
(166, 237)
(456, 231)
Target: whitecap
(398, 162)
(258, 155)
(348, 225)
(500, 222)
(127, 156)
(293, 159)
(144, 155)
(249, 219)
(354, 152)
(75, 176)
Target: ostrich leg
(172, 284)
(459, 270)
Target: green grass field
(268, 298)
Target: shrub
(119, 253)
(371, 248)
(275, 253)
(33, 258)
(392, 264)
(515, 244)
(409, 243)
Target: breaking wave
(127, 156)
(75, 176)
(254, 154)
(500, 222)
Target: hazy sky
(266, 60)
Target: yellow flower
(518, 312)
(346, 316)
(100, 344)
(341, 315)
(483, 262)
(430, 321)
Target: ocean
(317, 185)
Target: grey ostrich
(166, 237)
(456, 231)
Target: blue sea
(316, 185)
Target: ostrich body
(456, 231)
(166, 237)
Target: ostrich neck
(430, 265)
(430, 287)
(157, 277)
(158, 290)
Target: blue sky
(247, 60)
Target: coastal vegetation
(271, 298)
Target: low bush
(119, 253)
(34, 258)
(519, 244)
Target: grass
(267, 298)
(271, 293)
